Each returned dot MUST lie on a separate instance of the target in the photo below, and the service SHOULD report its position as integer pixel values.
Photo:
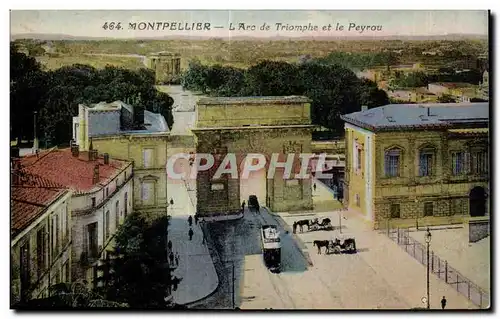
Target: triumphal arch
(253, 125)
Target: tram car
(271, 247)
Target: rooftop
(396, 116)
(61, 167)
(153, 122)
(31, 195)
(453, 85)
(254, 100)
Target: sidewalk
(398, 271)
(196, 268)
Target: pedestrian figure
(171, 201)
(177, 259)
(243, 205)
(171, 257)
(169, 245)
(314, 186)
(190, 221)
(175, 282)
(443, 303)
(196, 219)
(190, 233)
(203, 241)
(294, 227)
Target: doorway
(477, 202)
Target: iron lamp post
(428, 238)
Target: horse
(303, 222)
(321, 243)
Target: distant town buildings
(40, 234)
(167, 66)
(462, 92)
(410, 164)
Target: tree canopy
(333, 89)
(55, 95)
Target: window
(428, 209)
(40, 251)
(395, 211)
(107, 192)
(148, 196)
(426, 162)
(392, 162)
(93, 201)
(479, 162)
(458, 164)
(217, 187)
(147, 157)
(117, 214)
(106, 224)
(358, 164)
(125, 203)
(92, 240)
(68, 216)
(68, 272)
(25, 269)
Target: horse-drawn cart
(337, 246)
(324, 225)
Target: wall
(361, 180)
(448, 193)
(84, 214)
(478, 229)
(226, 115)
(55, 270)
(131, 148)
(261, 141)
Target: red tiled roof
(61, 167)
(29, 199)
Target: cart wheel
(337, 250)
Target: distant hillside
(58, 37)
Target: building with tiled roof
(40, 235)
(101, 189)
(122, 132)
(414, 165)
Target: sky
(90, 23)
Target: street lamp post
(428, 238)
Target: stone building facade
(40, 235)
(145, 147)
(409, 165)
(240, 126)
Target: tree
(55, 95)
(139, 273)
(70, 296)
(446, 98)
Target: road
(235, 242)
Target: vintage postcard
(250, 160)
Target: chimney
(364, 108)
(95, 178)
(106, 159)
(75, 150)
(93, 155)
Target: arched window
(426, 161)
(392, 162)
